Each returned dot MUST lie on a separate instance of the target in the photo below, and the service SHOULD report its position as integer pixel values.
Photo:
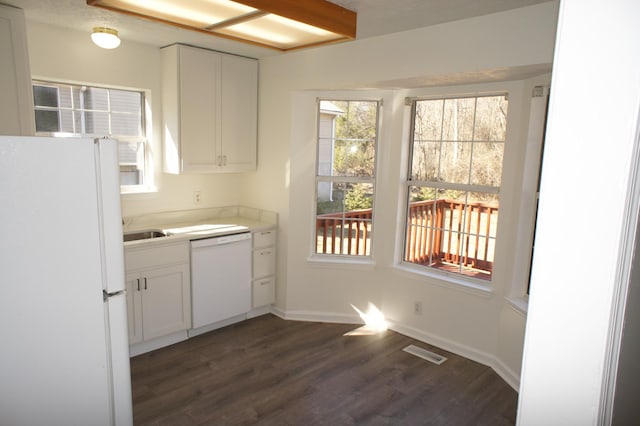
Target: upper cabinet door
(210, 103)
(16, 103)
(239, 113)
(199, 109)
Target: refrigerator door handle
(106, 295)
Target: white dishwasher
(220, 278)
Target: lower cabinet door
(134, 308)
(166, 305)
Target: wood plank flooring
(269, 371)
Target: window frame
(145, 127)
(452, 277)
(345, 257)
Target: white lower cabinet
(264, 268)
(158, 291)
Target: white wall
(65, 55)
(477, 323)
(518, 43)
(590, 155)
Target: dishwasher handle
(217, 241)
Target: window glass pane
(68, 121)
(130, 175)
(130, 152)
(426, 161)
(453, 231)
(45, 96)
(353, 157)
(69, 96)
(125, 101)
(454, 162)
(458, 119)
(47, 121)
(325, 157)
(486, 166)
(125, 124)
(346, 138)
(95, 98)
(359, 120)
(491, 119)
(428, 120)
(131, 156)
(421, 227)
(96, 123)
(344, 218)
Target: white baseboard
(207, 328)
(315, 316)
(160, 342)
(256, 312)
(481, 357)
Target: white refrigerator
(64, 356)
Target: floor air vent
(425, 354)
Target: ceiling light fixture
(104, 37)
(276, 24)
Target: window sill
(341, 262)
(137, 190)
(467, 285)
(520, 304)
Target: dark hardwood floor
(269, 371)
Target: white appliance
(220, 279)
(64, 358)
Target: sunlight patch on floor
(374, 322)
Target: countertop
(198, 224)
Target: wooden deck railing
(441, 234)
(347, 233)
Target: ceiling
(375, 17)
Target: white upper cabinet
(16, 101)
(210, 104)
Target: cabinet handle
(264, 282)
(138, 281)
(145, 283)
(265, 233)
(265, 253)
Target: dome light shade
(106, 38)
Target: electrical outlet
(417, 308)
(196, 197)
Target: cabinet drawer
(148, 257)
(264, 262)
(264, 292)
(264, 238)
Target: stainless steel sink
(143, 235)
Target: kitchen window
(453, 184)
(68, 110)
(345, 177)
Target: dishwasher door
(220, 278)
